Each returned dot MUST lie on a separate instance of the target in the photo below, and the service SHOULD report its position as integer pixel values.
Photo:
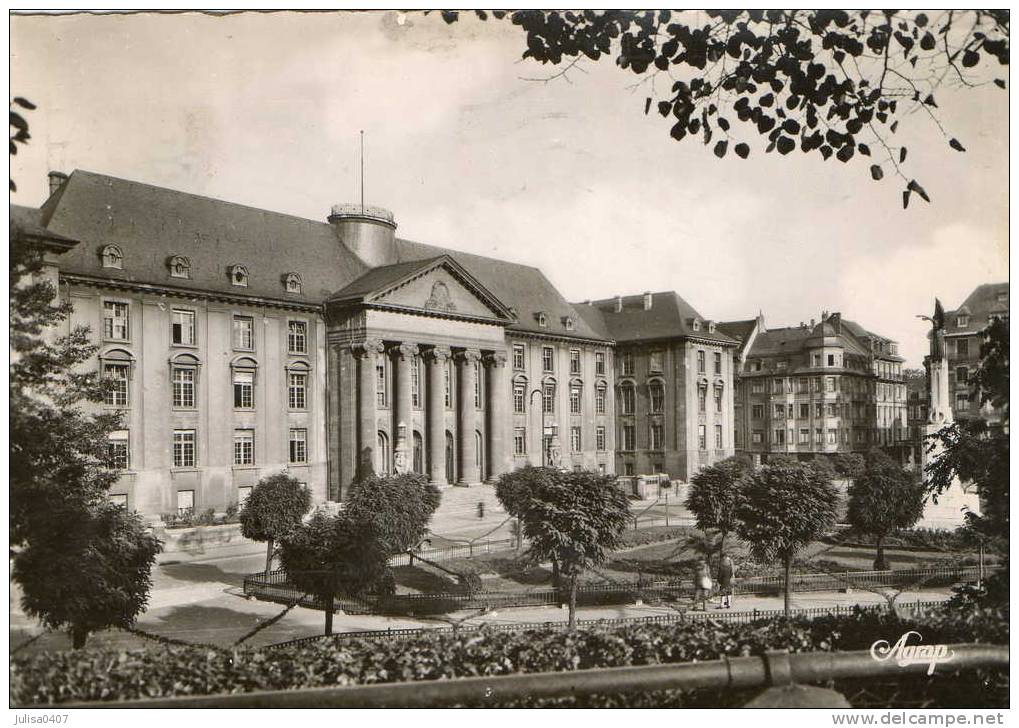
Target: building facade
(963, 337)
(673, 384)
(242, 342)
(819, 388)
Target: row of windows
(179, 266)
(802, 410)
(576, 439)
(548, 360)
(656, 398)
(822, 436)
(382, 378)
(185, 450)
(184, 380)
(183, 331)
(656, 437)
(548, 398)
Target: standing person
(701, 584)
(726, 572)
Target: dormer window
(962, 321)
(711, 326)
(568, 323)
(180, 267)
(1003, 297)
(292, 283)
(238, 275)
(541, 318)
(112, 257)
(696, 325)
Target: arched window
(548, 393)
(117, 366)
(243, 371)
(520, 395)
(238, 275)
(180, 267)
(112, 257)
(184, 369)
(298, 379)
(576, 396)
(292, 283)
(627, 398)
(600, 391)
(479, 454)
(382, 454)
(656, 396)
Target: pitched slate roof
(979, 305)
(379, 278)
(668, 317)
(27, 222)
(794, 339)
(738, 330)
(150, 224)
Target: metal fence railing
(275, 587)
(456, 551)
(737, 617)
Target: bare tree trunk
(880, 564)
(79, 636)
(573, 601)
(721, 546)
(330, 607)
(268, 557)
(788, 581)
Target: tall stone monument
(951, 506)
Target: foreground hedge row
(165, 671)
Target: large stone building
(673, 382)
(244, 342)
(963, 337)
(826, 387)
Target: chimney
(56, 180)
(836, 321)
(812, 323)
(619, 304)
(647, 300)
(369, 232)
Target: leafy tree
(829, 82)
(90, 571)
(715, 494)
(273, 510)
(848, 464)
(786, 506)
(572, 519)
(349, 553)
(19, 128)
(884, 497)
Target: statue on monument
(555, 455)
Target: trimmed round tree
(90, 571)
(785, 507)
(714, 495)
(883, 498)
(572, 519)
(273, 510)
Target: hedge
(107, 674)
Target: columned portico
(436, 360)
(367, 432)
(402, 356)
(497, 409)
(467, 417)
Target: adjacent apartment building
(826, 387)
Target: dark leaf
(930, 101)
(918, 190)
(742, 150)
(999, 83)
(664, 107)
(970, 59)
(723, 123)
(846, 153)
(876, 172)
(905, 199)
(863, 149)
(954, 144)
(785, 145)
(647, 105)
(24, 103)
(902, 155)
(720, 148)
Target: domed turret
(368, 231)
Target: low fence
(277, 588)
(456, 551)
(739, 617)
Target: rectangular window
(656, 433)
(718, 399)
(718, 363)
(777, 386)
(626, 363)
(961, 375)
(478, 384)
(415, 382)
(297, 391)
(818, 409)
(118, 450)
(802, 385)
(627, 468)
(757, 437)
(244, 389)
(183, 328)
(804, 410)
(629, 437)
(655, 361)
(702, 437)
(718, 437)
(831, 360)
(115, 321)
(599, 401)
(244, 332)
(779, 438)
(831, 410)
(599, 363)
(119, 499)
(547, 359)
(298, 445)
(575, 441)
(244, 447)
(962, 402)
(757, 411)
(575, 400)
(184, 455)
(757, 386)
(818, 436)
(804, 436)
(702, 399)
(297, 337)
(829, 384)
(381, 384)
(817, 360)
(185, 501)
(117, 375)
(833, 436)
(781, 364)
(629, 400)
(962, 347)
(700, 362)
(242, 494)
(574, 361)
(779, 411)
(519, 399)
(520, 441)
(817, 384)
(599, 438)
(184, 387)
(519, 356)
(656, 392)
(548, 399)
(447, 384)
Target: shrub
(165, 671)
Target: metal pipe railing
(773, 668)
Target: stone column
(497, 407)
(467, 417)
(435, 418)
(402, 356)
(367, 427)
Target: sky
(474, 149)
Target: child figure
(701, 584)
(726, 572)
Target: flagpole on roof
(362, 171)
